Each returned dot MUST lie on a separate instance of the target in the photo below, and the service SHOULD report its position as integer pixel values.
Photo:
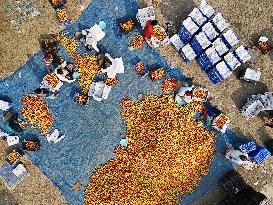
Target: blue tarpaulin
(93, 131)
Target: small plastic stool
(102, 25)
(123, 142)
(75, 75)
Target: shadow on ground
(263, 134)
(6, 198)
(213, 197)
(176, 10)
(240, 133)
(246, 90)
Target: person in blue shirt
(13, 122)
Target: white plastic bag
(5, 105)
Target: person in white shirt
(92, 36)
(55, 136)
(63, 74)
(5, 105)
(239, 158)
(116, 66)
(11, 140)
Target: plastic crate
(231, 60)
(187, 29)
(217, 73)
(207, 10)
(57, 4)
(242, 54)
(196, 46)
(229, 188)
(237, 180)
(31, 145)
(189, 25)
(219, 23)
(140, 68)
(198, 17)
(233, 184)
(266, 202)
(210, 31)
(128, 25)
(257, 198)
(259, 155)
(157, 74)
(220, 46)
(213, 55)
(223, 69)
(200, 42)
(230, 38)
(269, 145)
(212, 110)
(248, 147)
(225, 201)
(204, 62)
(185, 35)
(213, 77)
(62, 16)
(177, 42)
(188, 53)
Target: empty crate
(231, 61)
(207, 10)
(219, 22)
(242, 54)
(210, 31)
(230, 38)
(220, 46)
(188, 53)
(198, 17)
(213, 76)
(223, 69)
(187, 29)
(200, 42)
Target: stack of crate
(205, 36)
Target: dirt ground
(249, 19)
(17, 45)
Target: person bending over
(45, 93)
(239, 158)
(64, 75)
(149, 29)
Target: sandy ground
(249, 19)
(36, 188)
(16, 47)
